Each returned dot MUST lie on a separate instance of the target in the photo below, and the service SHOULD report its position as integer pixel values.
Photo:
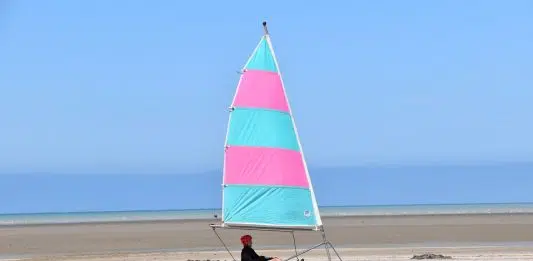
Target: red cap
(246, 239)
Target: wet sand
(355, 237)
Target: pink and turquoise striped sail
(266, 182)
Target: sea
(200, 214)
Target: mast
(311, 189)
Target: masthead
(265, 27)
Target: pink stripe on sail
(261, 89)
(264, 166)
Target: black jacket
(248, 254)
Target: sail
(266, 181)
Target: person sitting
(249, 254)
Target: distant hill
(370, 185)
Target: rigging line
(294, 242)
(224, 244)
(334, 250)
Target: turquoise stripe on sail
(277, 206)
(262, 59)
(262, 128)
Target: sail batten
(265, 181)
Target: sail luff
(229, 120)
(313, 198)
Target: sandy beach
(464, 237)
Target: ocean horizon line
(14, 219)
(219, 209)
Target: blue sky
(143, 87)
